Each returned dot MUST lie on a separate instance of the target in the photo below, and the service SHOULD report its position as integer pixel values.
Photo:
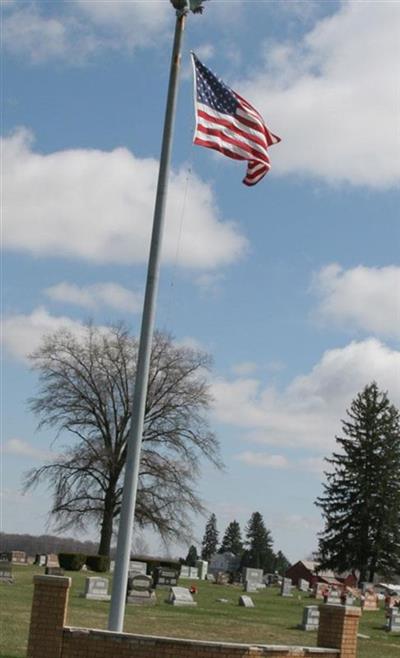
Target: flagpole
(120, 580)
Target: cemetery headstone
(332, 597)
(180, 596)
(369, 601)
(112, 566)
(16, 557)
(253, 575)
(246, 602)
(286, 587)
(303, 585)
(40, 559)
(202, 567)
(184, 571)
(52, 560)
(222, 578)
(137, 567)
(140, 591)
(96, 589)
(6, 572)
(211, 578)
(310, 619)
(320, 589)
(164, 577)
(250, 586)
(54, 571)
(394, 620)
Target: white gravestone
(180, 596)
(96, 589)
(137, 567)
(246, 602)
(303, 585)
(250, 586)
(310, 619)
(286, 587)
(394, 620)
(253, 576)
(202, 567)
(184, 571)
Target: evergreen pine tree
(281, 563)
(192, 557)
(210, 539)
(259, 553)
(361, 499)
(232, 540)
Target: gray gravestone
(303, 585)
(140, 591)
(184, 571)
(253, 575)
(310, 619)
(180, 596)
(54, 571)
(6, 572)
(250, 586)
(286, 587)
(137, 567)
(246, 602)
(211, 578)
(164, 577)
(202, 568)
(96, 589)
(394, 620)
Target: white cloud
(22, 334)
(244, 368)
(367, 298)
(332, 97)
(22, 448)
(96, 295)
(262, 459)
(98, 206)
(81, 28)
(308, 412)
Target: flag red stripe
(230, 124)
(252, 152)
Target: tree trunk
(107, 522)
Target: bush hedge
(99, 563)
(71, 561)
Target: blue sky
(292, 286)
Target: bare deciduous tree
(85, 391)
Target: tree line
(255, 550)
(32, 545)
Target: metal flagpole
(118, 596)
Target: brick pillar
(49, 610)
(338, 627)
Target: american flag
(227, 123)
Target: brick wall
(48, 615)
(83, 643)
(50, 638)
(338, 627)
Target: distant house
(227, 562)
(308, 570)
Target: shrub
(71, 561)
(99, 563)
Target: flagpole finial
(184, 6)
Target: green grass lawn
(274, 620)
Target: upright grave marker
(286, 587)
(6, 572)
(310, 619)
(96, 589)
(140, 591)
